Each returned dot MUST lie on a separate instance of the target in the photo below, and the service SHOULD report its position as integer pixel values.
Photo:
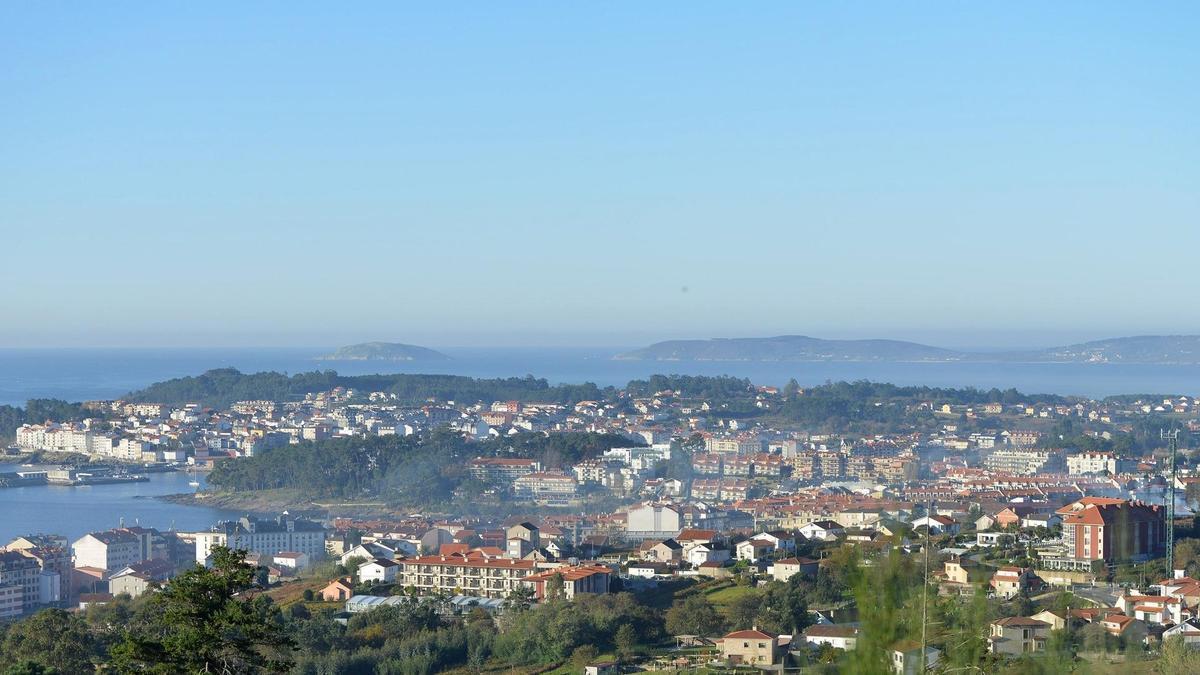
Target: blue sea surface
(75, 511)
(83, 374)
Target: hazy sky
(613, 173)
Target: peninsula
(1144, 349)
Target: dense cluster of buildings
(699, 494)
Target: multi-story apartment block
(706, 488)
(1024, 438)
(1018, 461)
(112, 550)
(1097, 462)
(805, 466)
(706, 463)
(470, 574)
(896, 469)
(720, 489)
(23, 574)
(734, 446)
(501, 469)
(62, 438)
(738, 465)
(53, 561)
(1098, 528)
(859, 467)
(832, 464)
(265, 537)
(767, 465)
(546, 487)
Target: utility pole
(925, 586)
(1172, 438)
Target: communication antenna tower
(1172, 438)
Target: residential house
(1156, 610)
(838, 636)
(700, 554)
(1056, 620)
(752, 648)
(1189, 631)
(379, 571)
(787, 568)
(906, 657)
(752, 550)
(337, 590)
(667, 550)
(937, 524)
(822, 530)
(1009, 582)
(1016, 635)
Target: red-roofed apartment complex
(1097, 528)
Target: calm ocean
(82, 374)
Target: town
(710, 495)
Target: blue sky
(293, 173)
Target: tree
(203, 621)
(353, 563)
(584, 655)
(626, 641)
(694, 615)
(1094, 638)
(51, 638)
(791, 389)
(1178, 658)
(744, 610)
(29, 668)
(519, 599)
(554, 587)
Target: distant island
(1144, 349)
(789, 348)
(384, 351)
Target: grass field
(723, 596)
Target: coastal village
(987, 498)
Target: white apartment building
(653, 521)
(110, 550)
(265, 537)
(1022, 461)
(1096, 462)
(57, 438)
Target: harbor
(69, 476)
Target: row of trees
(413, 470)
(223, 386)
(36, 411)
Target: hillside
(790, 348)
(1149, 349)
(385, 351)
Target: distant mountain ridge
(385, 351)
(1143, 349)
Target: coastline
(272, 502)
